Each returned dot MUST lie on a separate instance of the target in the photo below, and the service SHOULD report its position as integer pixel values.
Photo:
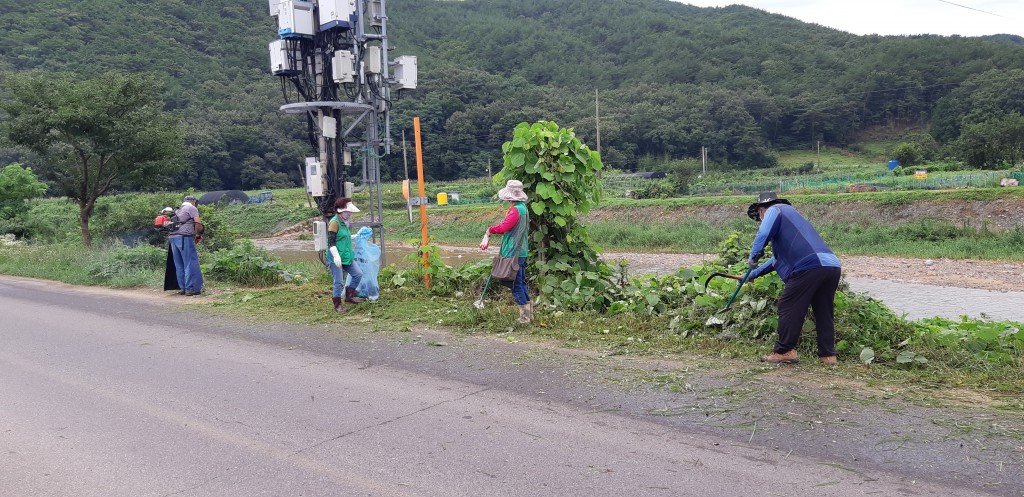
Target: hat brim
(509, 195)
(349, 208)
(753, 212)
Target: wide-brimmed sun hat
(764, 199)
(513, 192)
(167, 210)
(349, 207)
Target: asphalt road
(103, 394)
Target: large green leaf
(517, 158)
(545, 190)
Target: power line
(971, 8)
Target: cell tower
(332, 59)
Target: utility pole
(704, 160)
(490, 178)
(332, 58)
(817, 156)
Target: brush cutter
(479, 303)
(742, 281)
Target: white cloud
(897, 17)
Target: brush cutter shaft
(479, 304)
(737, 292)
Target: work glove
(337, 258)
(485, 241)
(752, 264)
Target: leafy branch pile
(678, 305)
(246, 264)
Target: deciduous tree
(93, 135)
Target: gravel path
(983, 275)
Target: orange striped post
(423, 194)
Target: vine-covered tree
(560, 174)
(93, 135)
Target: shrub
(247, 265)
(909, 154)
(120, 215)
(653, 190)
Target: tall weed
(128, 267)
(247, 265)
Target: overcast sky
(897, 17)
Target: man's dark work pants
(814, 288)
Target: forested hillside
(671, 78)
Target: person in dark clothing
(809, 270)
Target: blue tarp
(368, 260)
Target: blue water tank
(893, 164)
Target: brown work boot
(337, 304)
(350, 296)
(786, 358)
(829, 360)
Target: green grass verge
(404, 310)
(110, 265)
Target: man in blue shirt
(809, 270)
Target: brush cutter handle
(724, 275)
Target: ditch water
(915, 300)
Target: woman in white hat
(340, 254)
(515, 239)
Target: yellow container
(442, 199)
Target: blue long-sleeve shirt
(796, 245)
